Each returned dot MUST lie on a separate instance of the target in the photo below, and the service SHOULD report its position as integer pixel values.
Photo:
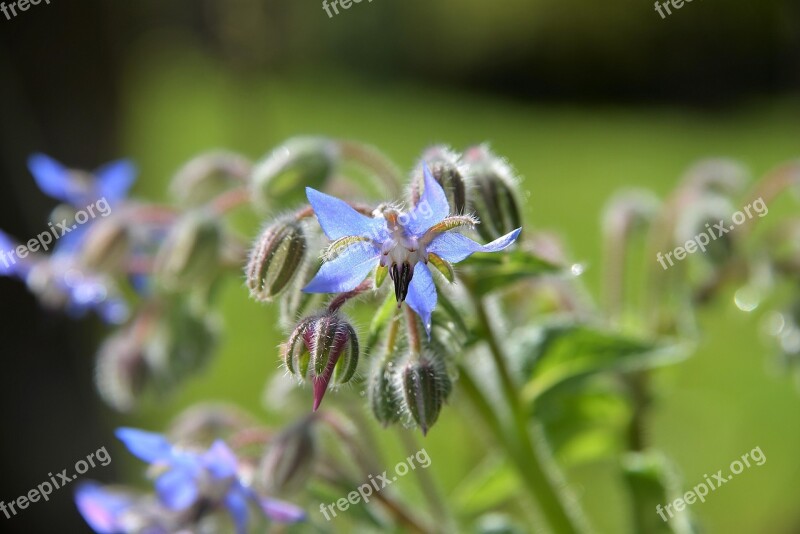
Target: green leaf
(654, 482)
(488, 486)
(556, 353)
(380, 320)
(585, 421)
(487, 272)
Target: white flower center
(400, 253)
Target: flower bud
(289, 460)
(106, 245)
(190, 254)
(493, 196)
(121, 371)
(717, 176)
(207, 175)
(207, 421)
(444, 165)
(275, 259)
(183, 340)
(300, 162)
(322, 349)
(383, 394)
(701, 218)
(425, 386)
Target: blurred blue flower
(58, 279)
(189, 477)
(10, 266)
(59, 282)
(402, 243)
(111, 181)
(103, 509)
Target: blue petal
(101, 508)
(72, 241)
(236, 503)
(346, 271)
(10, 264)
(431, 208)
(141, 284)
(54, 179)
(454, 247)
(147, 446)
(338, 219)
(115, 179)
(422, 295)
(220, 460)
(177, 488)
(282, 512)
(113, 310)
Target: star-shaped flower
(79, 189)
(60, 282)
(186, 478)
(398, 243)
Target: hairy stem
(539, 478)
(375, 161)
(414, 339)
(427, 484)
(342, 298)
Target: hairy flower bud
(699, 220)
(121, 371)
(289, 460)
(425, 386)
(191, 252)
(300, 162)
(106, 246)
(445, 167)
(383, 393)
(493, 195)
(322, 349)
(183, 340)
(275, 259)
(207, 175)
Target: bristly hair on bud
(425, 386)
(289, 458)
(383, 393)
(277, 256)
(107, 245)
(322, 349)
(493, 196)
(192, 251)
(205, 176)
(122, 371)
(281, 176)
(445, 165)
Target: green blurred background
(582, 97)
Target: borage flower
(188, 479)
(400, 244)
(80, 189)
(60, 282)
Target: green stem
(427, 484)
(414, 339)
(372, 159)
(539, 478)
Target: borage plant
(511, 331)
